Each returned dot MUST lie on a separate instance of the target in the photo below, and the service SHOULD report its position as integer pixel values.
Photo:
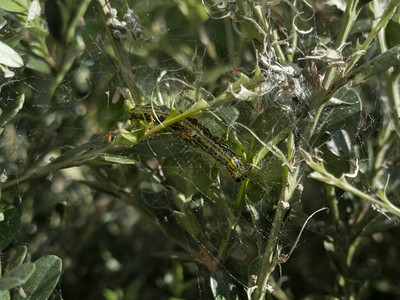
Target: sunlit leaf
(7, 72)
(9, 57)
(34, 10)
(4, 295)
(245, 94)
(15, 5)
(111, 158)
(3, 21)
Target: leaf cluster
(305, 94)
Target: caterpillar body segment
(198, 135)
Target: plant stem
(317, 106)
(258, 11)
(270, 257)
(230, 41)
(344, 185)
(51, 167)
(334, 211)
(73, 49)
(293, 46)
(349, 17)
(73, 24)
(66, 65)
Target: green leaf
(340, 144)
(271, 122)
(13, 40)
(340, 4)
(367, 270)
(38, 65)
(160, 145)
(9, 57)
(375, 66)
(198, 106)
(34, 10)
(15, 5)
(11, 110)
(110, 294)
(128, 138)
(221, 286)
(329, 246)
(189, 173)
(4, 295)
(193, 11)
(9, 226)
(392, 34)
(17, 276)
(245, 94)
(189, 223)
(84, 149)
(346, 116)
(361, 25)
(17, 258)
(229, 114)
(3, 21)
(43, 281)
(270, 128)
(249, 29)
(361, 4)
(7, 72)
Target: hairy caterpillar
(199, 136)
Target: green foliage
(40, 284)
(305, 95)
(33, 280)
(17, 276)
(222, 287)
(10, 224)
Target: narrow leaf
(111, 158)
